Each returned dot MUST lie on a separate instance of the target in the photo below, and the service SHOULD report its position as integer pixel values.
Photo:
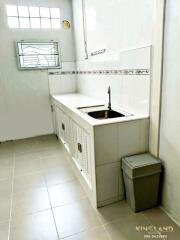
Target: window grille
(33, 55)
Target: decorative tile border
(106, 72)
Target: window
(38, 55)
(33, 17)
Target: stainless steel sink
(101, 112)
(105, 114)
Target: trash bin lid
(141, 165)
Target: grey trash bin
(141, 176)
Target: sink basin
(105, 114)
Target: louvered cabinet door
(79, 148)
(71, 136)
(75, 142)
(60, 124)
(86, 161)
(55, 120)
(66, 129)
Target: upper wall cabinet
(78, 15)
(119, 24)
(112, 25)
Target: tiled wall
(64, 80)
(128, 74)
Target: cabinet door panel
(55, 120)
(86, 155)
(74, 141)
(66, 129)
(60, 124)
(79, 147)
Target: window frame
(20, 67)
(40, 18)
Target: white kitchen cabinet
(63, 128)
(67, 133)
(54, 118)
(73, 143)
(95, 150)
(82, 152)
(86, 160)
(76, 141)
(59, 120)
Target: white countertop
(76, 100)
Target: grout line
(169, 215)
(51, 208)
(12, 192)
(81, 232)
(103, 226)
(107, 233)
(146, 217)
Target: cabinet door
(55, 119)
(66, 129)
(63, 125)
(83, 152)
(79, 147)
(74, 148)
(60, 124)
(86, 161)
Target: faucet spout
(109, 103)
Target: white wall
(170, 118)
(24, 95)
(156, 83)
(115, 26)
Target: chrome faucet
(109, 103)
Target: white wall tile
(131, 92)
(61, 84)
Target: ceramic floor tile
(27, 156)
(95, 234)
(58, 175)
(5, 205)
(6, 159)
(47, 139)
(159, 219)
(7, 148)
(6, 167)
(26, 164)
(75, 218)
(4, 227)
(127, 228)
(49, 145)
(53, 161)
(38, 226)
(41, 162)
(5, 189)
(66, 193)
(52, 151)
(30, 181)
(114, 211)
(26, 146)
(6, 172)
(30, 201)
